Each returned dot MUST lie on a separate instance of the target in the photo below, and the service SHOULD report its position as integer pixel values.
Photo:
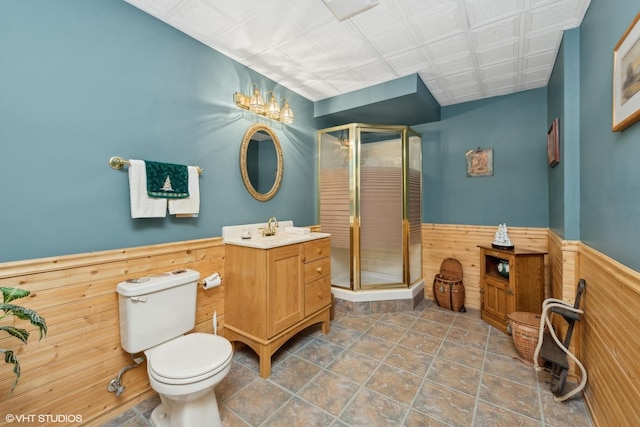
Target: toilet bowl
(184, 372)
(155, 314)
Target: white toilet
(155, 313)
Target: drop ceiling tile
(345, 82)
(355, 54)
(201, 19)
(501, 91)
(481, 12)
(472, 90)
(542, 41)
(379, 19)
(559, 15)
(451, 46)
(419, 10)
(333, 34)
(540, 74)
(318, 89)
(460, 99)
(542, 59)
(467, 78)
(237, 44)
(501, 69)
(534, 84)
(158, 8)
(371, 72)
(434, 85)
(507, 82)
(242, 10)
(409, 62)
(394, 41)
(303, 46)
(498, 33)
(454, 64)
(439, 26)
(500, 53)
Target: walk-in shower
(370, 201)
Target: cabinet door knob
(319, 269)
(319, 251)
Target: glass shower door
(335, 201)
(380, 208)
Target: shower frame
(411, 215)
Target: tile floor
(426, 367)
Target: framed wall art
(626, 78)
(479, 162)
(553, 144)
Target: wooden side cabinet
(272, 294)
(523, 290)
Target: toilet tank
(156, 308)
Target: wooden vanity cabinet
(523, 290)
(272, 294)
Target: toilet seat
(189, 358)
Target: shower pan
(370, 201)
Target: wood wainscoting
(610, 341)
(440, 241)
(68, 372)
(563, 270)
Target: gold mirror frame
(263, 197)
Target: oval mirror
(261, 162)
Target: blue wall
(86, 80)
(609, 172)
(563, 102)
(82, 81)
(515, 127)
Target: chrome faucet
(270, 229)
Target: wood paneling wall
(440, 241)
(69, 371)
(563, 267)
(610, 342)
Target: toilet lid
(190, 356)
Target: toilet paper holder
(212, 281)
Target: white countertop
(280, 239)
(232, 235)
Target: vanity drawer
(315, 249)
(316, 269)
(317, 295)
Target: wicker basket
(525, 328)
(448, 289)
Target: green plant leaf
(26, 314)
(9, 357)
(19, 333)
(10, 294)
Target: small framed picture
(626, 78)
(479, 162)
(553, 144)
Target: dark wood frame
(553, 143)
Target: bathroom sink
(233, 236)
(279, 239)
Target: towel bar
(118, 163)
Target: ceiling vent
(344, 9)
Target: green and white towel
(167, 180)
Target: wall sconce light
(255, 103)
